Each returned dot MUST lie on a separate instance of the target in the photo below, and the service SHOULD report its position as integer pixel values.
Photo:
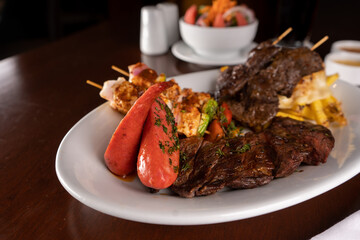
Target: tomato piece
(226, 114)
(190, 14)
(219, 21)
(240, 19)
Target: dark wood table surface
(43, 94)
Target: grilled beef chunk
(251, 90)
(318, 137)
(252, 160)
(289, 66)
(261, 56)
(238, 163)
(290, 150)
(232, 80)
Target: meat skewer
(273, 78)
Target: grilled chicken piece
(187, 118)
(120, 93)
(171, 95)
(196, 99)
(187, 111)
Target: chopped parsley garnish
(158, 122)
(172, 149)
(219, 152)
(244, 148)
(183, 157)
(185, 167)
(162, 147)
(231, 126)
(164, 129)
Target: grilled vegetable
(225, 114)
(216, 131)
(204, 122)
(210, 108)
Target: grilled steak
(318, 137)
(252, 160)
(290, 150)
(251, 90)
(243, 162)
(188, 150)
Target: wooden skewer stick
(282, 35)
(120, 70)
(319, 43)
(93, 84)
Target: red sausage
(121, 153)
(158, 160)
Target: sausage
(121, 153)
(158, 160)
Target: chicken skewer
(186, 105)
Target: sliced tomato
(240, 19)
(219, 21)
(190, 14)
(227, 114)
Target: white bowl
(217, 42)
(346, 72)
(345, 46)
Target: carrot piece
(216, 131)
(121, 153)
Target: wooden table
(43, 94)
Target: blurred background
(25, 25)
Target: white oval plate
(81, 170)
(183, 52)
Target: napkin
(347, 229)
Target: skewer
(319, 43)
(93, 84)
(282, 35)
(120, 70)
